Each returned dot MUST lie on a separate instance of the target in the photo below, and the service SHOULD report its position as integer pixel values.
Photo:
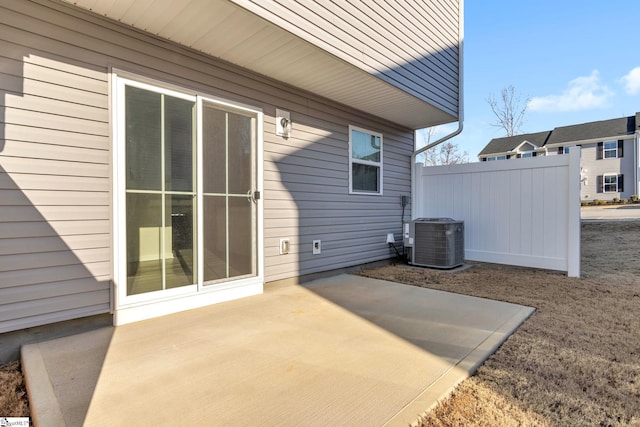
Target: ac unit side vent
(438, 243)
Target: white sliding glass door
(188, 215)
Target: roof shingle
(509, 143)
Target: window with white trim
(610, 149)
(610, 183)
(492, 158)
(365, 161)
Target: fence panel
(519, 212)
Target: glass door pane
(143, 128)
(160, 191)
(242, 241)
(229, 144)
(215, 238)
(144, 243)
(179, 241)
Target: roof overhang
(227, 31)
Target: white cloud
(582, 93)
(632, 81)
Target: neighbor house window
(609, 149)
(365, 161)
(610, 183)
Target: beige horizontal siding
(56, 274)
(52, 183)
(20, 312)
(30, 245)
(15, 262)
(55, 161)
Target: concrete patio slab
(344, 350)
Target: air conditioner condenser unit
(434, 242)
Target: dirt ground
(13, 394)
(574, 362)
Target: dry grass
(13, 395)
(576, 361)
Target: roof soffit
(224, 30)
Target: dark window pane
(179, 143)
(144, 243)
(179, 242)
(143, 139)
(365, 146)
(215, 238)
(365, 178)
(240, 164)
(241, 237)
(214, 149)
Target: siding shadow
(46, 270)
(312, 188)
(54, 219)
(307, 195)
(43, 280)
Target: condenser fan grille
(438, 243)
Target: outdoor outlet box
(317, 247)
(284, 246)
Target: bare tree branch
(446, 153)
(509, 111)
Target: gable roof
(593, 130)
(602, 129)
(510, 143)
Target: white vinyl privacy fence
(520, 212)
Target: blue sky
(576, 60)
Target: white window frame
(526, 154)
(365, 162)
(613, 150)
(604, 183)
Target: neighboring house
(161, 156)
(609, 158)
(513, 147)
